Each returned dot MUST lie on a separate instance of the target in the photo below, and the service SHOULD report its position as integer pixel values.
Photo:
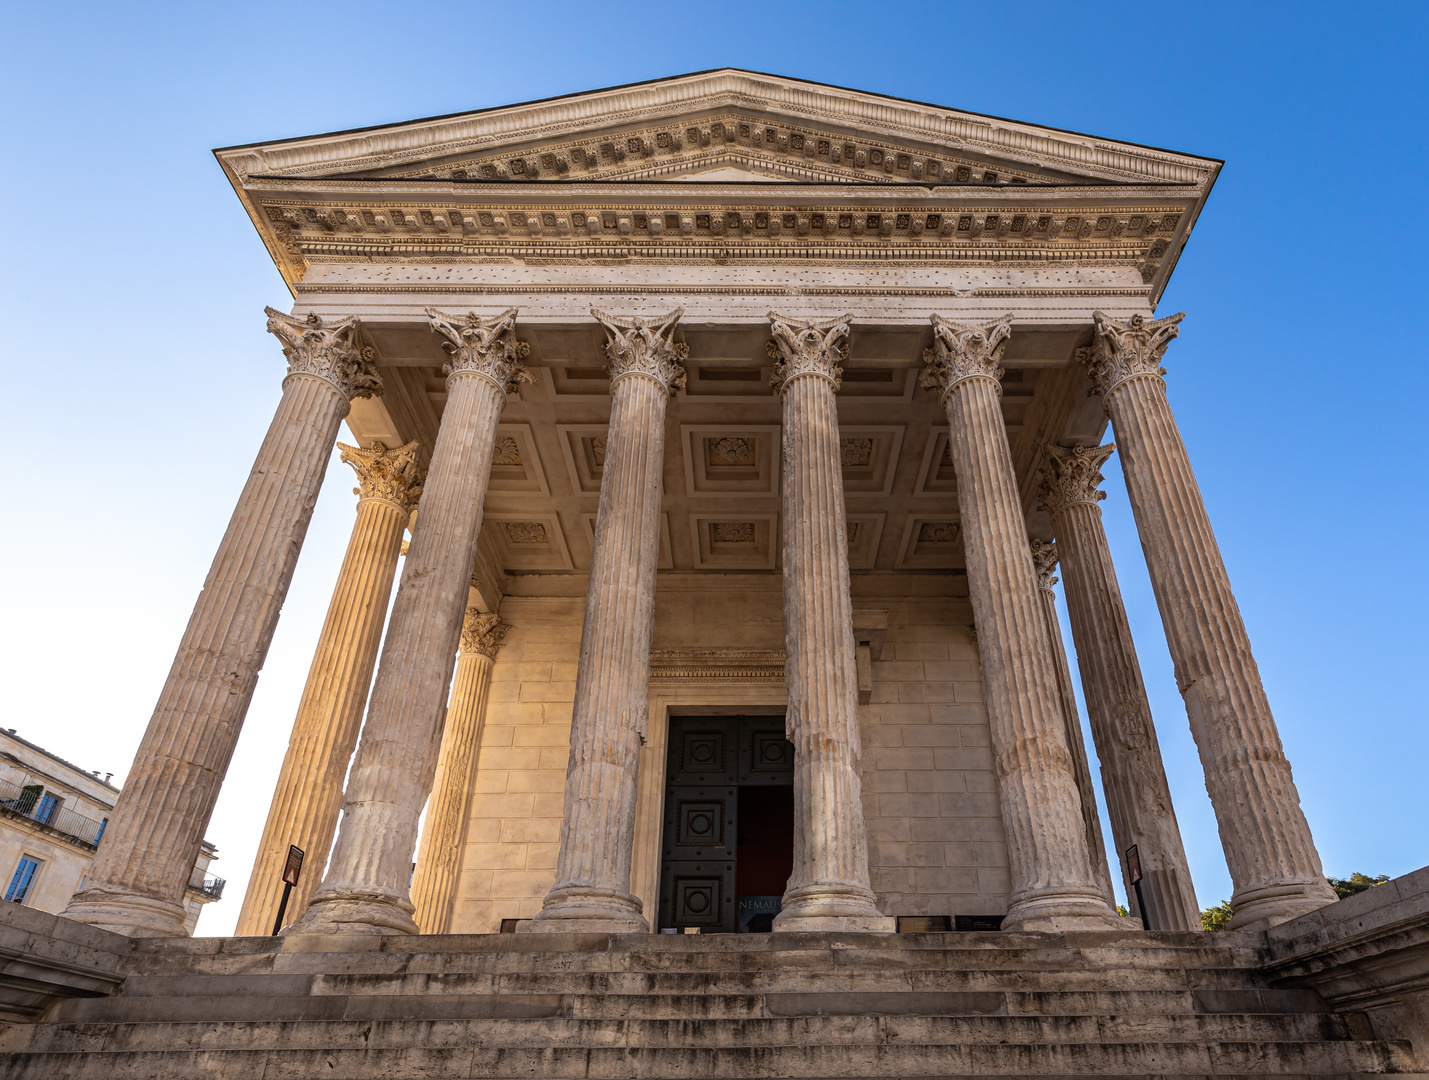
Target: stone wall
(936, 843)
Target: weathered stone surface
(1133, 775)
(1272, 858)
(136, 883)
(308, 795)
(443, 840)
(829, 887)
(366, 887)
(1053, 884)
(612, 694)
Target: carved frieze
(334, 352)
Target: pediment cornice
(805, 131)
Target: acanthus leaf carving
(1044, 561)
(963, 351)
(1073, 476)
(1128, 350)
(807, 347)
(335, 353)
(637, 346)
(392, 475)
(484, 347)
(483, 632)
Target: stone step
(415, 1026)
(358, 1060)
(1124, 1006)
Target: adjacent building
(52, 819)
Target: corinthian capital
(963, 351)
(1073, 476)
(645, 347)
(334, 353)
(485, 347)
(482, 632)
(1128, 350)
(803, 347)
(1044, 561)
(392, 475)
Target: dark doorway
(729, 823)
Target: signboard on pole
(294, 866)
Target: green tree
(1355, 883)
(1218, 917)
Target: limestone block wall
(936, 841)
(936, 845)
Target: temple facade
(740, 425)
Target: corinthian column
(829, 888)
(1053, 884)
(366, 887)
(444, 834)
(1272, 858)
(309, 792)
(1044, 562)
(135, 885)
(1133, 776)
(592, 888)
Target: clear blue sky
(139, 379)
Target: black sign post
(1133, 871)
(291, 870)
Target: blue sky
(140, 379)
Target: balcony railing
(211, 886)
(29, 802)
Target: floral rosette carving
(638, 346)
(1073, 476)
(1044, 561)
(963, 351)
(806, 347)
(482, 632)
(393, 475)
(334, 353)
(485, 347)
(1128, 350)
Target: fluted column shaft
(1053, 884)
(1133, 775)
(1273, 862)
(1091, 820)
(308, 795)
(439, 854)
(829, 887)
(612, 697)
(369, 874)
(136, 883)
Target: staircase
(771, 1005)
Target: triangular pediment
(720, 126)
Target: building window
(23, 879)
(45, 811)
(102, 826)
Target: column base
(1268, 905)
(832, 907)
(127, 913)
(356, 913)
(581, 909)
(1065, 910)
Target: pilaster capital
(963, 351)
(1044, 561)
(484, 347)
(391, 475)
(482, 632)
(645, 347)
(1128, 350)
(1073, 476)
(806, 347)
(334, 353)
